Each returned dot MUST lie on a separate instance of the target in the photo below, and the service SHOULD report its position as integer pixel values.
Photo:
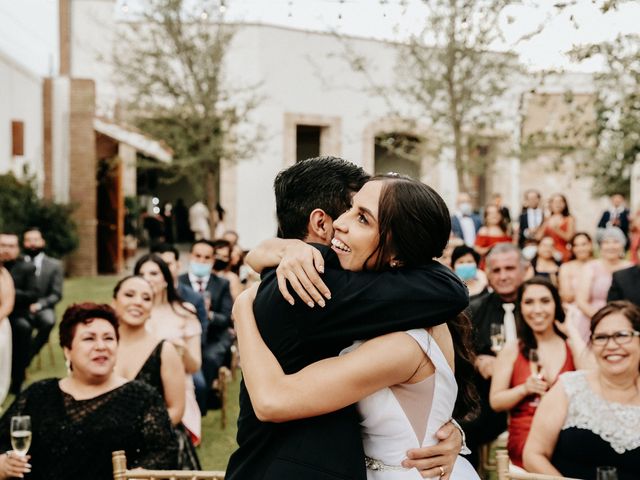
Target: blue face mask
(467, 271)
(200, 269)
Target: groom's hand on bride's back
(432, 461)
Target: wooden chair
(52, 356)
(502, 458)
(487, 462)
(224, 376)
(120, 472)
(235, 360)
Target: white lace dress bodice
(396, 419)
(615, 423)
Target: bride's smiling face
(356, 232)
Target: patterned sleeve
(160, 447)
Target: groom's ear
(320, 226)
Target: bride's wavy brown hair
(414, 224)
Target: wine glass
(534, 366)
(497, 337)
(21, 434)
(606, 473)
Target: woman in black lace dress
(143, 356)
(79, 420)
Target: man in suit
(24, 279)
(465, 223)
(531, 217)
(49, 278)
(217, 336)
(616, 216)
(309, 195)
(625, 285)
(506, 269)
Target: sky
(28, 28)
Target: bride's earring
(67, 363)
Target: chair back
(120, 472)
(502, 458)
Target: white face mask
(465, 208)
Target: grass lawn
(217, 444)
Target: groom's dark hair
(321, 182)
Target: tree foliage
(20, 207)
(171, 63)
(617, 130)
(450, 74)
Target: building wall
(311, 83)
(21, 100)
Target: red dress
(488, 241)
(521, 415)
(559, 243)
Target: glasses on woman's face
(621, 337)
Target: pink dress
(191, 419)
(600, 284)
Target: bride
(404, 382)
(7, 297)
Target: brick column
(47, 150)
(82, 182)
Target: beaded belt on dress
(373, 464)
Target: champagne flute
(606, 473)
(534, 366)
(21, 434)
(497, 337)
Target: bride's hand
(300, 266)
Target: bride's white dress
(396, 419)
(5, 358)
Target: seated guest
(597, 275)
(571, 271)
(531, 218)
(590, 418)
(517, 384)
(49, 278)
(464, 261)
(77, 421)
(217, 337)
(222, 266)
(465, 223)
(559, 225)
(617, 215)
(7, 297)
(173, 320)
(145, 357)
(495, 230)
(24, 281)
(544, 264)
(624, 285)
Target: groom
(309, 195)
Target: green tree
(20, 207)
(171, 63)
(453, 79)
(617, 130)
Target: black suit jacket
(624, 220)
(626, 285)
(24, 280)
(189, 295)
(363, 305)
(49, 282)
(221, 304)
(524, 225)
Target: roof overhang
(134, 138)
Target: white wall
(21, 100)
(303, 73)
